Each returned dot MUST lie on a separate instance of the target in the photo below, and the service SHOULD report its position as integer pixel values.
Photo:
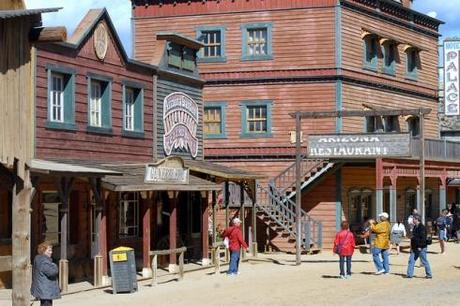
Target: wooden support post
(378, 187)
(243, 217)
(20, 261)
(204, 228)
(443, 193)
(103, 248)
(146, 233)
(155, 270)
(418, 196)
(393, 201)
(298, 194)
(172, 228)
(214, 212)
(227, 214)
(254, 222)
(64, 187)
(422, 165)
(181, 266)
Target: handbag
(339, 247)
(226, 242)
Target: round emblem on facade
(100, 41)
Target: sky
(120, 12)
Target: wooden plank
(5, 263)
(168, 252)
(363, 113)
(48, 34)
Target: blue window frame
(61, 97)
(214, 120)
(412, 61)
(256, 41)
(213, 38)
(370, 52)
(389, 58)
(256, 118)
(99, 104)
(133, 109)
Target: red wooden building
(264, 59)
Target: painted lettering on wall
(451, 78)
(180, 119)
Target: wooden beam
(48, 34)
(363, 113)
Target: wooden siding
(302, 39)
(164, 88)
(16, 91)
(355, 95)
(285, 98)
(353, 24)
(52, 143)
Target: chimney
(407, 3)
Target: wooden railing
(155, 254)
(436, 149)
(217, 249)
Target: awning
(221, 171)
(454, 182)
(64, 168)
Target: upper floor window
(370, 52)
(377, 124)
(133, 105)
(99, 103)
(257, 41)
(389, 56)
(181, 57)
(391, 124)
(213, 39)
(413, 125)
(412, 63)
(256, 118)
(61, 100)
(214, 120)
(128, 215)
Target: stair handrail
(287, 178)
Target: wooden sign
(101, 41)
(180, 119)
(451, 77)
(359, 145)
(170, 170)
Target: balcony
(436, 150)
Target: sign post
(298, 194)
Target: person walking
(236, 241)
(344, 246)
(410, 219)
(45, 276)
(381, 245)
(441, 224)
(398, 231)
(418, 248)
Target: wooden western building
(265, 59)
(117, 158)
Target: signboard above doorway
(169, 170)
(359, 145)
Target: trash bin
(123, 270)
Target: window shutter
(69, 96)
(139, 110)
(106, 105)
(175, 55)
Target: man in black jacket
(418, 248)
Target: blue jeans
(414, 255)
(234, 262)
(378, 255)
(342, 264)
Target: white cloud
(74, 10)
(432, 14)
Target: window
(129, 215)
(389, 55)
(374, 124)
(99, 104)
(413, 125)
(61, 98)
(257, 41)
(391, 124)
(370, 52)
(133, 109)
(213, 39)
(256, 118)
(51, 225)
(359, 205)
(214, 120)
(412, 63)
(410, 202)
(181, 57)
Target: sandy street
(274, 280)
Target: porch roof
(221, 171)
(63, 168)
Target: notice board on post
(123, 270)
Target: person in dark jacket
(236, 241)
(45, 276)
(418, 248)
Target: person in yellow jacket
(381, 245)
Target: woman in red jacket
(344, 246)
(236, 241)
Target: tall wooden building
(264, 59)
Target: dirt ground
(275, 280)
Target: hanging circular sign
(100, 41)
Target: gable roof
(86, 27)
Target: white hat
(383, 215)
(236, 221)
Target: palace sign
(359, 145)
(451, 78)
(170, 170)
(180, 119)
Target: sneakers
(428, 277)
(343, 277)
(348, 276)
(379, 272)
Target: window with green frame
(389, 58)
(214, 120)
(412, 62)
(213, 38)
(371, 52)
(133, 109)
(256, 118)
(61, 97)
(99, 104)
(181, 57)
(256, 41)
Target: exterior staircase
(276, 205)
